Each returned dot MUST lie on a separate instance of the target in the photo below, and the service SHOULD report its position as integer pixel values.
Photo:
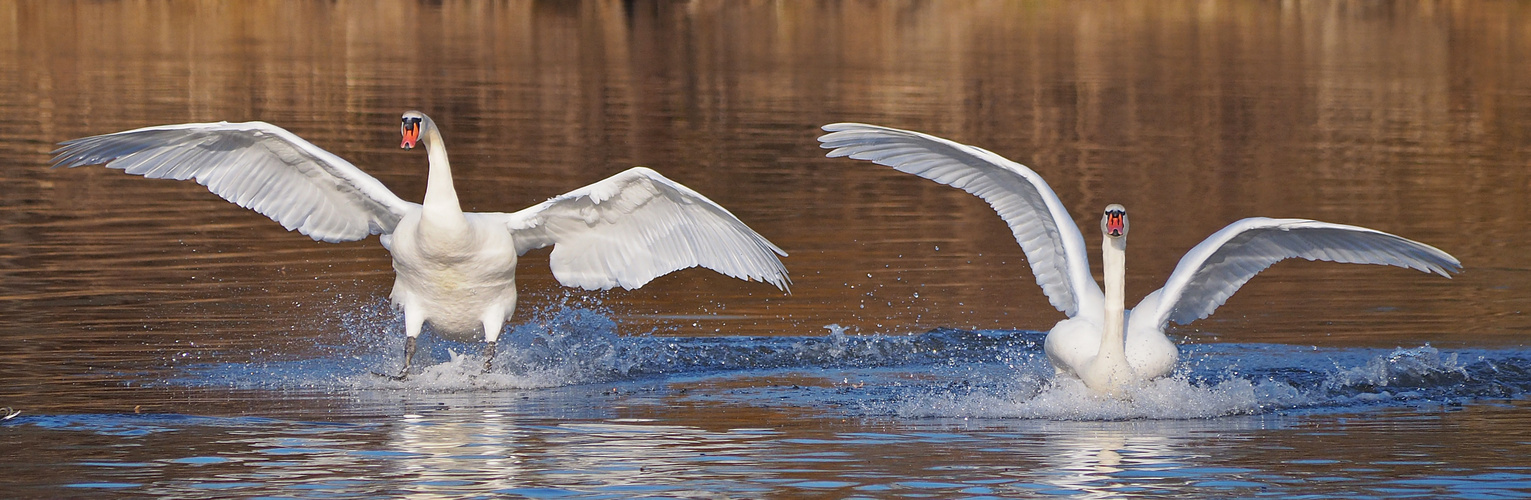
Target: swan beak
(1115, 223)
(411, 133)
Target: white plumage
(255, 165)
(454, 270)
(1085, 345)
(1018, 194)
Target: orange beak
(411, 133)
(1115, 223)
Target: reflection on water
(440, 448)
(1232, 110)
(787, 432)
(247, 349)
(831, 416)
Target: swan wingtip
(640, 169)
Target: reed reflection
(1186, 102)
(1410, 117)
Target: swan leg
(489, 356)
(494, 321)
(409, 355)
(413, 323)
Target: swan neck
(1114, 258)
(440, 196)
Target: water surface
(162, 342)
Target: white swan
(454, 270)
(1091, 344)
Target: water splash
(943, 373)
(570, 345)
(1293, 381)
(1175, 397)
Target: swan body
(462, 281)
(1101, 343)
(455, 271)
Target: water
(162, 342)
(585, 412)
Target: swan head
(1114, 223)
(413, 127)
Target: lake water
(161, 342)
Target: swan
(1102, 344)
(454, 270)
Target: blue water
(574, 410)
(941, 373)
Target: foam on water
(944, 373)
(1068, 399)
(1204, 389)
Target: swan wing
(1216, 268)
(638, 225)
(255, 165)
(1052, 243)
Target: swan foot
(409, 355)
(489, 356)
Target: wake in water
(944, 373)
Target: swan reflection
(1099, 459)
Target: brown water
(124, 294)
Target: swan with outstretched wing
(455, 270)
(1101, 343)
